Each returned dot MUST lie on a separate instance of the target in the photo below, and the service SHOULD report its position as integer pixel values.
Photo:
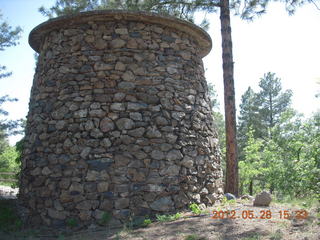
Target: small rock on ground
(8, 192)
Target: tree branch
(184, 3)
(317, 7)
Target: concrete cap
(39, 32)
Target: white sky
(275, 42)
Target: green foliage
(226, 202)
(303, 203)
(184, 9)
(248, 119)
(252, 166)
(106, 218)
(195, 208)
(146, 222)
(261, 111)
(297, 145)
(279, 148)
(8, 160)
(8, 127)
(253, 237)
(219, 122)
(272, 102)
(9, 163)
(137, 221)
(168, 218)
(8, 35)
(8, 38)
(213, 97)
(67, 7)
(71, 222)
(194, 237)
(250, 9)
(220, 128)
(9, 220)
(278, 235)
(4, 143)
(287, 163)
(19, 149)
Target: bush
(146, 222)
(9, 220)
(195, 208)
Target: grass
(9, 220)
(283, 224)
(71, 222)
(105, 219)
(278, 235)
(8, 184)
(226, 202)
(126, 229)
(194, 237)
(117, 236)
(206, 211)
(253, 237)
(168, 218)
(146, 222)
(306, 202)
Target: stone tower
(119, 119)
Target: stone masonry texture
(119, 119)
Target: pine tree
(252, 166)
(8, 37)
(269, 115)
(272, 102)
(261, 111)
(248, 119)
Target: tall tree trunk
(271, 116)
(271, 188)
(232, 178)
(251, 188)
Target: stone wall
(119, 119)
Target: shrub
(195, 208)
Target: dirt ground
(193, 227)
(204, 227)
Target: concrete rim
(201, 36)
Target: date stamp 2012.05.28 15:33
(263, 214)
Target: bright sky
(275, 42)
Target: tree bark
(251, 188)
(232, 178)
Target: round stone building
(119, 119)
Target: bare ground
(204, 227)
(193, 227)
